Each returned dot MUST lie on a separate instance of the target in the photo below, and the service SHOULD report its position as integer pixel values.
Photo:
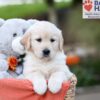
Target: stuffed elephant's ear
(32, 21)
(1, 21)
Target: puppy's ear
(26, 41)
(61, 42)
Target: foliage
(24, 10)
(87, 72)
(12, 11)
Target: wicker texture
(70, 95)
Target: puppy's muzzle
(46, 52)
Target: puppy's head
(44, 40)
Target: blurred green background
(82, 37)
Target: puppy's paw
(40, 87)
(17, 46)
(3, 65)
(54, 85)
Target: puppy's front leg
(55, 81)
(38, 81)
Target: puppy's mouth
(46, 58)
(45, 55)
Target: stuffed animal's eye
(52, 40)
(15, 34)
(24, 30)
(39, 40)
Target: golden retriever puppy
(45, 59)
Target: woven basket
(70, 95)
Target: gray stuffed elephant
(9, 30)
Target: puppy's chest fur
(32, 65)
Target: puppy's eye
(52, 40)
(15, 34)
(39, 39)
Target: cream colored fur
(38, 68)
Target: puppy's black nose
(46, 52)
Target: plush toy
(4, 73)
(1, 21)
(9, 30)
(12, 63)
(3, 68)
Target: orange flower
(72, 59)
(12, 62)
